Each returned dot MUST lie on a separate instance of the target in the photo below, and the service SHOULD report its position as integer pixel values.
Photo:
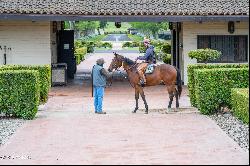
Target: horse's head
(116, 62)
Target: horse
(163, 73)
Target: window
(233, 48)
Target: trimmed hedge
(204, 55)
(191, 80)
(240, 103)
(80, 53)
(19, 93)
(44, 77)
(131, 44)
(213, 87)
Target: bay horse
(165, 73)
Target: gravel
(235, 128)
(8, 126)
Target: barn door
(66, 51)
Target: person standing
(99, 81)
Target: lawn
(96, 38)
(135, 38)
(131, 48)
(102, 48)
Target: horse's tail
(179, 82)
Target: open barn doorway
(102, 38)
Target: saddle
(150, 68)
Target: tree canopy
(150, 28)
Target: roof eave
(124, 18)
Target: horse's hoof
(168, 110)
(134, 112)
(146, 113)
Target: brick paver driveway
(66, 131)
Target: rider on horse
(149, 57)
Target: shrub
(166, 58)
(44, 77)
(80, 52)
(240, 103)
(78, 59)
(204, 55)
(19, 93)
(166, 48)
(142, 48)
(107, 45)
(213, 87)
(126, 44)
(135, 44)
(89, 44)
(191, 79)
(78, 44)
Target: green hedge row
(19, 93)
(44, 77)
(80, 54)
(191, 80)
(240, 103)
(213, 87)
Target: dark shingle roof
(126, 7)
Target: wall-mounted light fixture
(231, 27)
(118, 24)
(54, 24)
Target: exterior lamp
(231, 27)
(118, 24)
(54, 26)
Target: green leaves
(191, 79)
(213, 87)
(149, 28)
(44, 77)
(20, 92)
(204, 55)
(240, 103)
(79, 54)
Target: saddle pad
(150, 69)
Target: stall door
(66, 51)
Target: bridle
(117, 69)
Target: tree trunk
(99, 33)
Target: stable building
(32, 32)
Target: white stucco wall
(190, 30)
(29, 42)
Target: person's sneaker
(101, 112)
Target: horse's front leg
(136, 99)
(144, 99)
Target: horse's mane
(127, 60)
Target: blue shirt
(149, 55)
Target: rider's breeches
(141, 70)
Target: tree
(102, 25)
(82, 28)
(150, 28)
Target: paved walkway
(66, 131)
